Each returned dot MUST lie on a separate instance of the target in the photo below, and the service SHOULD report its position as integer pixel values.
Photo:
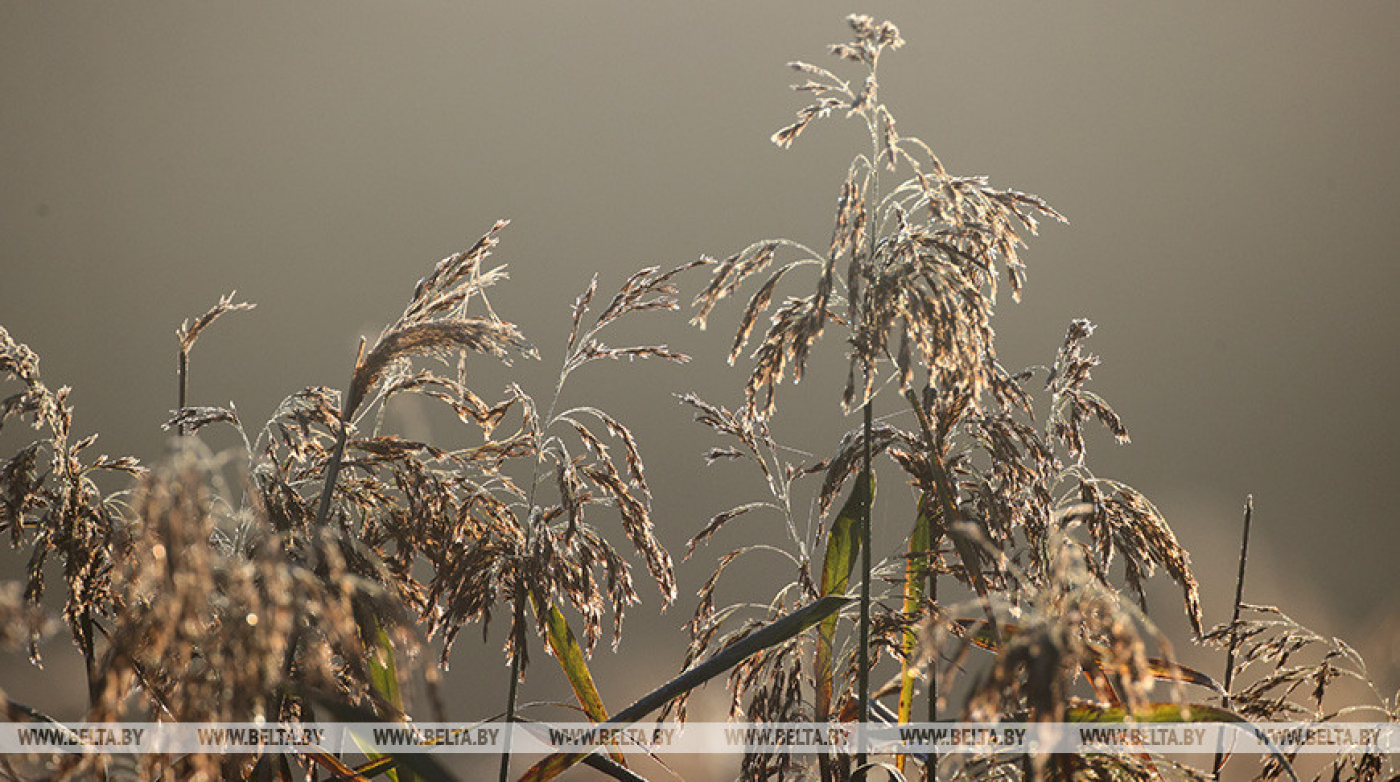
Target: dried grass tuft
(1286, 672)
(920, 259)
(911, 276)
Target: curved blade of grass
(1170, 671)
(771, 634)
(567, 651)
(384, 682)
(342, 772)
(425, 767)
(374, 767)
(977, 633)
(842, 548)
(1163, 711)
(611, 768)
(843, 545)
(1107, 692)
(383, 670)
(915, 572)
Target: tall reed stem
(181, 376)
(323, 512)
(931, 765)
(1234, 621)
(863, 663)
(512, 692)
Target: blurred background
(1229, 172)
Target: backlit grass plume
(913, 264)
(910, 276)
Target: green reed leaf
(771, 634)
(567, 651)
(915, 572)
(842, 550)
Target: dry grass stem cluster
(1015, 589)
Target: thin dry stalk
(1233, 645)
(187, 334)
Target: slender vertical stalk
(323, 512)
(512, 692)
(1239, 592)
(861, 322)
(94, 684)
(863, 663)
(289, 659)
(931, 765)
(1235, 620)
(181, 379)
(521, 594)
(382, 663)
(348, 405)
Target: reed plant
(312, 586)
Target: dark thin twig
(863, 681)
(513, 693)
(94, 683)
(931, 765)
(1234, 621)
(182, 379)
(323, 513)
